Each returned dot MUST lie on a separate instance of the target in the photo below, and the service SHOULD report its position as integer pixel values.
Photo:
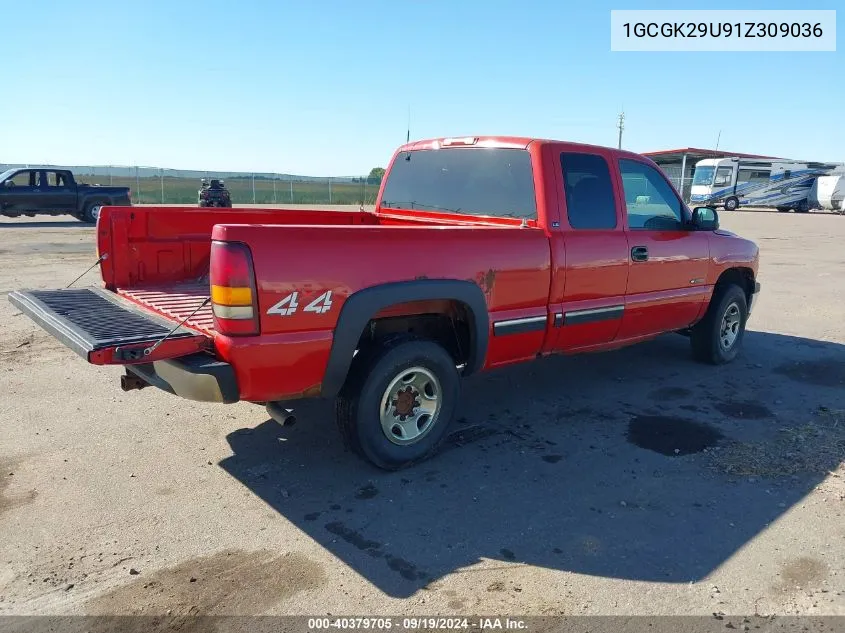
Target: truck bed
(176, 301)
(155, 265)
(158, 257)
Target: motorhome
(735, 182)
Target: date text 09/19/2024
(417, 623)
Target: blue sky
(323, 88)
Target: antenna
(621, 126)
(718, 138)
(408, 135)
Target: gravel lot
(554, 495)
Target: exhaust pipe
(285, 417)
(131, 381)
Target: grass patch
(174, 190)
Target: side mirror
(704, 219)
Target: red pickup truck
(481, 252)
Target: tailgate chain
(101, 258)
(151, 349)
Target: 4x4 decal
(290, 304)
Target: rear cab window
(55, 179)
(483, 181)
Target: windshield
(476, 181)
(703, 175)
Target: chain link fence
(154, 185)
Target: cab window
(590, 203)
(649, 199)
(495, 182)
(23, 179)
(56, 179)
(753, 176)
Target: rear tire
(784, 209)
(731, 204)
(92, 211)
(717, 338)
(398, 401)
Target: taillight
(234, 300)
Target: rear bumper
(753, 298)
(196, 377)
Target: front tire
(717, 338)
(731, 204)
(398, 401)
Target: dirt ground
(631, 482)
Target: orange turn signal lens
(226, 296)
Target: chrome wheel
(95, 212)
(410, 406)
(729, 330)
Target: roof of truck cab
(512, 142)
(14, 170)
(38, 168)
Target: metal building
(680, 163)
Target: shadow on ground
(547, 466)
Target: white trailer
(828, 193)
(735, 182)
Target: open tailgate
(105, 329)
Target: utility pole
(621, 126)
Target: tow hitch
(131, 381)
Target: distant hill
(116, 171)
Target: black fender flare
(361, 306)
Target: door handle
(639, 254)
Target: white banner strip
(723, 30)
